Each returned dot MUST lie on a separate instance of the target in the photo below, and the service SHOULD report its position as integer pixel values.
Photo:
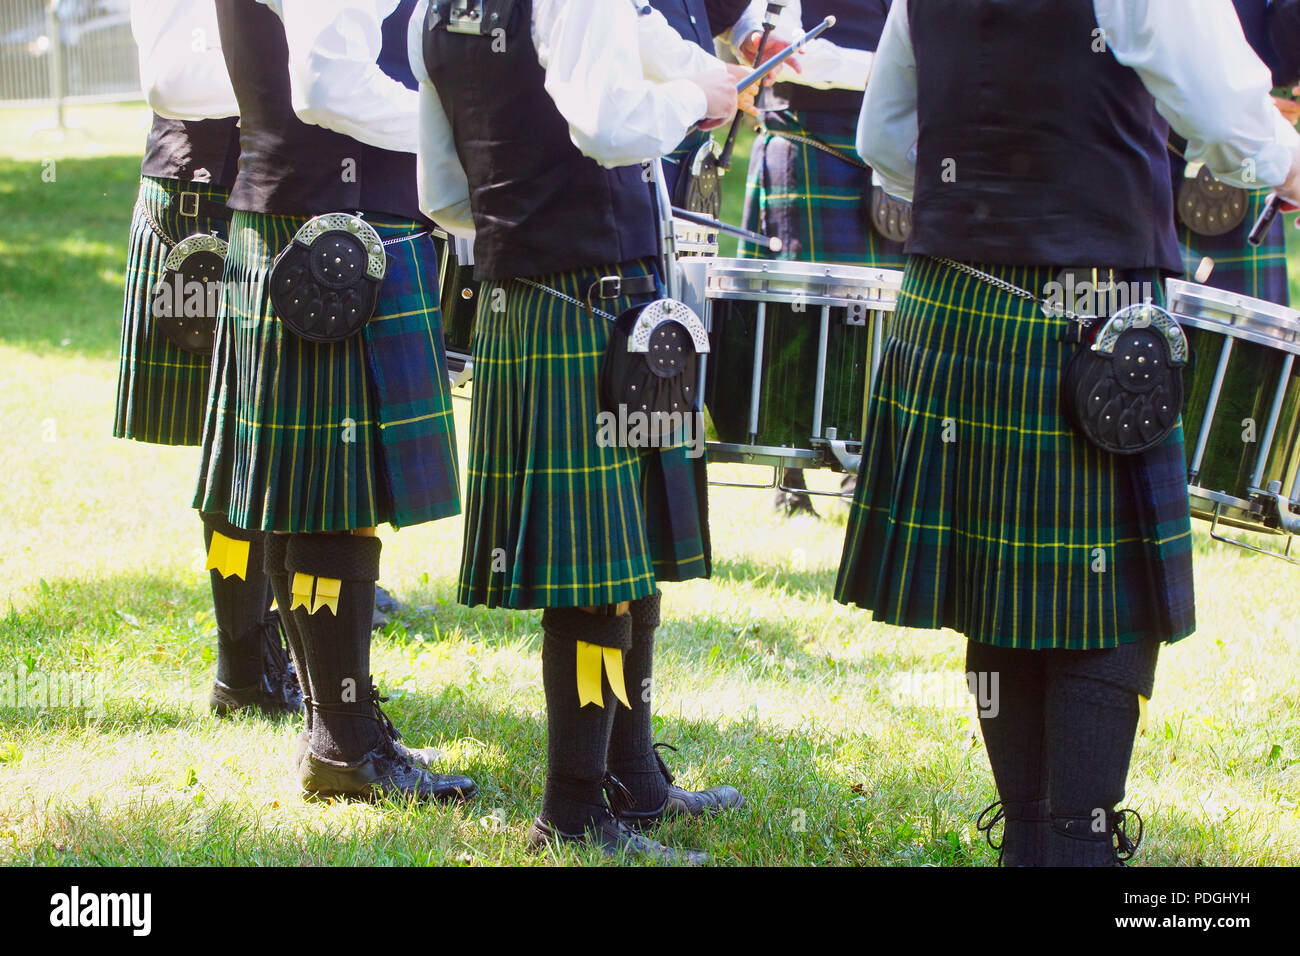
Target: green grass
(852, 740)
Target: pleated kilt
(553, 519)
(161, 390)
(978, 508)
(818, 204)
(1239, 266)
(306, 437)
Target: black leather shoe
(424, 758)
(381, 773)
(270, 700)
(680, 802)
(614, 837)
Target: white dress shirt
(1190, 54)
(181, 67)
(825, 65)
(334, 77)
(618, 78)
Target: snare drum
(1241, 411)
(795, 348)
(459, 302)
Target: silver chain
(818, 144)
(567, 298)
(1017, 291)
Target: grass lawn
(851, 740)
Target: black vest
(858, 23)
(539, 205)
(182, 149)
(1032, 148)
(295, 168)
(690, 18)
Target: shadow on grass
(64, 252)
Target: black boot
(1090, 729)
(352, 751)
(634, 757)
(577, 741)
(253, 667)
(1012, 726)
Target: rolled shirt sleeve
(182, 70)
(887, 125)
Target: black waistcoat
(858, 23)
(690, 18)
(539, 205)
(1033, 149)
(184, 149)
(291, 167)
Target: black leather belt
(192, 205)
(808, 98)
(614, 287)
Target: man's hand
(720, 92)
(746, 99)
(1288, 108)
(749, 50)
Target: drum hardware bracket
(1283, 555)
(849, 462)
(1289, 519)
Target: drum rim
(1254, 320)
(818, 283)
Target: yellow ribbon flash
(327, 595)
(228, 556)
(1142, 714)
(301, 591)
(592, 659)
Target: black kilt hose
(161, 390)
(306, 437)
(554, 518)
(817, 203)
(978, 507)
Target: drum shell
(1234, 442)
(789, 372)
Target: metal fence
(66, 51)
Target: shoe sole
(375, 795)
(639, 823)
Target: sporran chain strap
(818, 144)
(567, 298)
(1017, 291)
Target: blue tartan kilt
(980, 509)
(818, 204)
(307, 437)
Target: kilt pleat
(818, 204)
(303, 436)
(554, 518)
(1259, 272)
(978, 508)
(161, 390)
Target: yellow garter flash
(228, 556)
(1142, 714)
(327, 595)
(301, 591)
(591, 657)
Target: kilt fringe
(161, 390)
(979, 509)
(309, 437)
(555, 518)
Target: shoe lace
(668, 774)
(391, 733)
(1125, 845)
(619, 796)
(989, 818)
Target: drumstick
(1265, 220)
(771, 243)
(785, 54)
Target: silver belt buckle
(190, 205)
(466, 16)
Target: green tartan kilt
(309, 437)
(161, 390)
(1238, 266)
(818, 204)
(554, 517)
(978, 508)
